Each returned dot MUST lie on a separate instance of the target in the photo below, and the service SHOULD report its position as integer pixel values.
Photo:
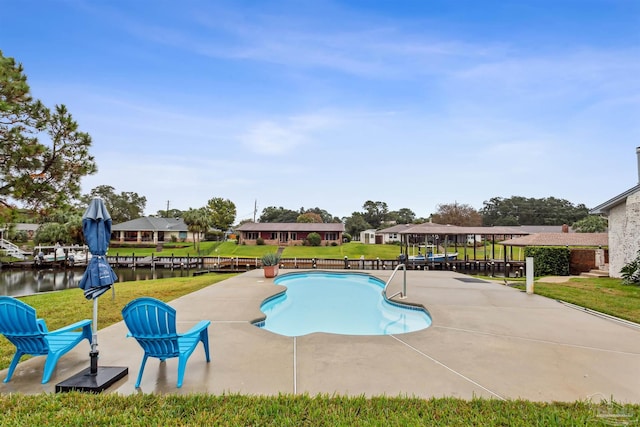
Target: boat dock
(151, 261)
(202, 265)
(59, 256)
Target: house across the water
(289, 233)
(151, 230)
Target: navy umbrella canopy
(96, 225)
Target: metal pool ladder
(403, 292)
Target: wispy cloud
(273, 137)
(557, 75)
(380, 48)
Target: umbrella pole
(94, 339)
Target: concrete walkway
(487, 340)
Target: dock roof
(559, 239)
(431, 228)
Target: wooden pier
(154, 262)
(481, 267)
(203, 265)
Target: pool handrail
(403, 292)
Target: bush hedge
(314, 239)
(549, 261)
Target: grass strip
(71, 409)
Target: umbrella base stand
(93, 382)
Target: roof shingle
(560, 239)
(291, 226)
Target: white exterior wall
(624, 234)
(368, 237)
(390, 237)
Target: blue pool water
(338, 303)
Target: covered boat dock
(452, 238)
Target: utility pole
(167, 212)
(255, 209)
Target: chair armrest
(74, 326)
(196, 329)
(42, 325)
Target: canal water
(31, 281)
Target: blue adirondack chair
(19, 324)
(153, 324)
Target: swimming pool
(338, 303)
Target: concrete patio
(487, 340)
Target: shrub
(334, 244)
(631, 272)
(549, 261)
(259, 241)
(19, 237)
(213, 236)
(270, 258)
(314, 239)
(346, 237)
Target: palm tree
(198, 221)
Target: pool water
(338, 303)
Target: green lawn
(605, 295)
(225, 249)
(168, 249)
(351, 250)
(231, 249)
(75, 409)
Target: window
(130, 236)
(252, 235)
(274, 236)
(330, 236)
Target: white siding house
(368, 236)
(392, 234)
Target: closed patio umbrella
(98, 277)
(96, 226)
(96, 280)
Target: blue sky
(332, 103)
